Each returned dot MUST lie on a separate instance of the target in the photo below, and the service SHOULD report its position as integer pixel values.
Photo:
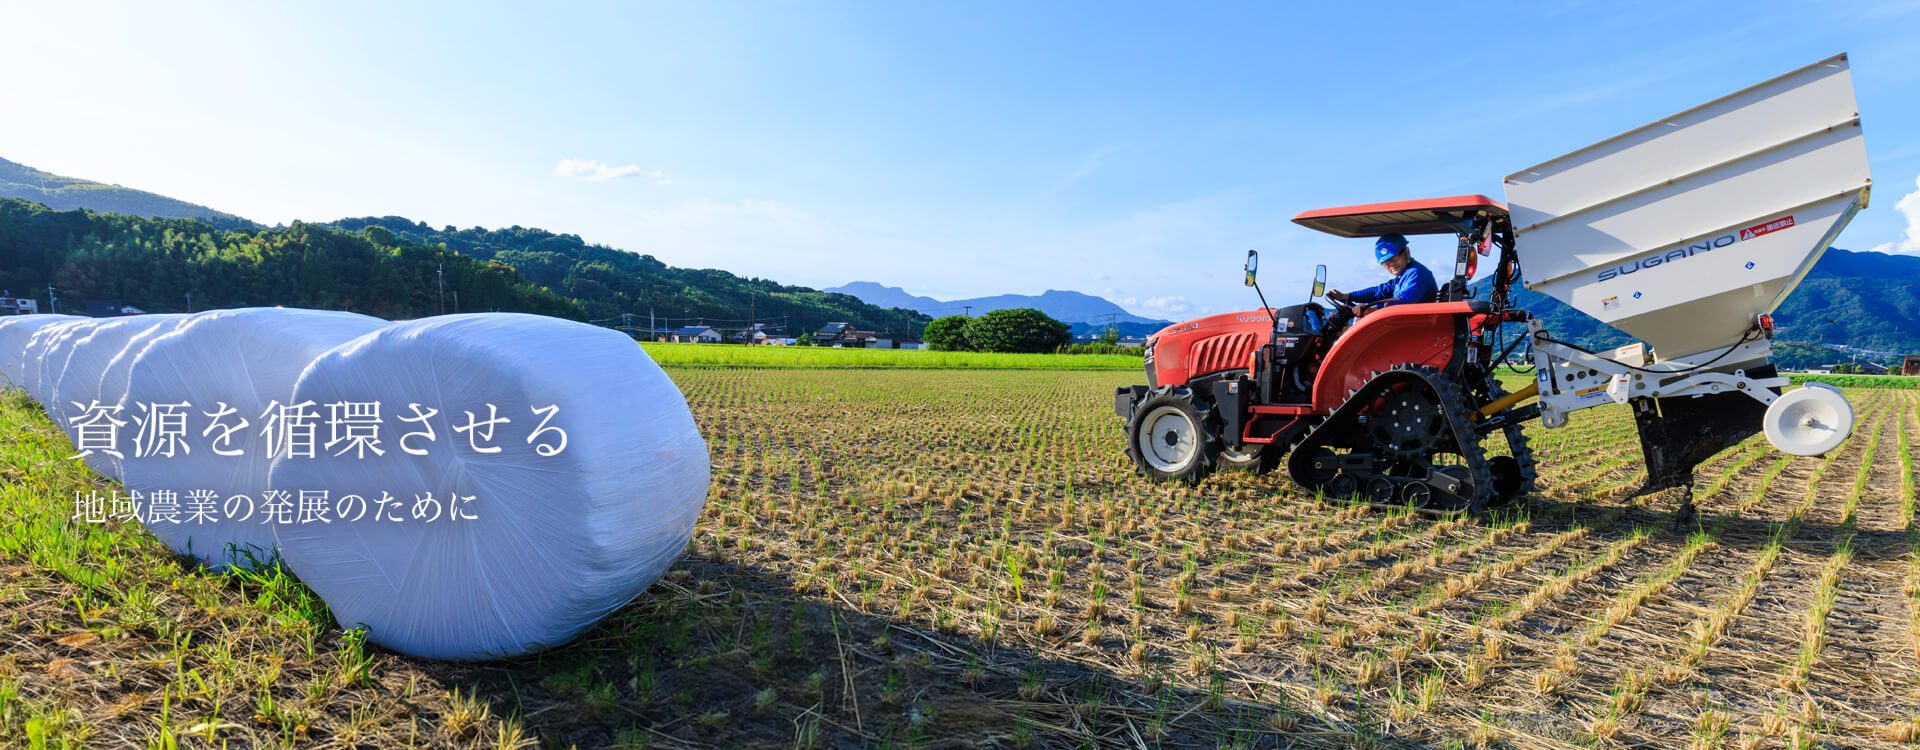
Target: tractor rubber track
(1468, 488)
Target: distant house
(18, 306)
(846, 336)
(111, 309)
(1131, 343)
(761, 334)
(829, 333)
(1871, 368)
(1911, 366)
(695, 335)
(1821, 370)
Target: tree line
(607, 282)
(389, 267)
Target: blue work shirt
(1412, 285)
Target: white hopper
(556, 541)
(245, 358)
(1681, 233)
(15, 332)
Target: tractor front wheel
(1168, 438)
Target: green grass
(1896, 382)
(823, 358)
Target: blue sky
(1130, 150)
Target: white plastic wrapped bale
(244, 360)
(40, 348)
(541, 546)
(15, 332)
(79, 380)
(118, 342)
(56, 346)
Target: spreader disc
(1810, 420)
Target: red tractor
(1685, 235)
(1391, 406)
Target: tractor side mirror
(1253, 265)
(1319, 283)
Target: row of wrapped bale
(463, 487)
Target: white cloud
(1910, 208)
(1087, 166)
(1170, 304)
(595, 170)
(1102, 277)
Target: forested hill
(155, 263)
(67, 193)
(606, 282)
(389, 267)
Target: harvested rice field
(895, 558)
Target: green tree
(1110, 337)
(948, 334)
(1021, 329)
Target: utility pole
(652, 327)
(752, 311)
(189, 302)
(440, 275)
(456, 302)
(53, 303)
(967, 310)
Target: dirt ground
(963, 559)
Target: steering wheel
(1342, 308)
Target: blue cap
(1388, 246)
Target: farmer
(1411, 281)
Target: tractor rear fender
(1421, 334)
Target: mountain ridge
(68, 193)
(1087, 313)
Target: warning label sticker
(1610, 303)
(1760, 229)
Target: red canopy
(1404, 217)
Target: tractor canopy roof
(1427, 216)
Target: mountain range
(1085, 312)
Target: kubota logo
(1682, 253)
